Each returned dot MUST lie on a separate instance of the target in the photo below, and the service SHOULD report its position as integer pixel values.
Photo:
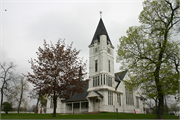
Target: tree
(148, 51)
(19, 91)
(56, 71)
(7, 78)
(7, 107)
(35, 94)
(25, 106)
(43, 101)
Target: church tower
(101, 60)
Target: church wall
(60, 106)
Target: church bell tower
(101, 59)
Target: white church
(105, 91)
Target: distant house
(105, 90)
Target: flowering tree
(56, 71)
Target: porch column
(100, 104)
(80, 107)
(89, 105)
(72, 108)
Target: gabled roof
(119, 76)
(94, 94)
(100, 30)
(79, 96)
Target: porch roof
(94, 94)
(79, 96)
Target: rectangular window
(104, 79)
(86, 104)
(98, 80)
(51, 103)
(97, 100)
(76, 105)
(101, 79)
(109, 65)
(93, 82)
(119, 98)
(69, 106)
(109, 81)
(96, 49)
(110, 98)
(129, 97)
(96, 65)
(109, 50)
(137, 102)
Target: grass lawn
(84, 116)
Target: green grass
(84, 116)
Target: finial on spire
(100, 14)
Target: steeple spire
(100, 30)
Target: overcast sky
(26, 23)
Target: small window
(119, 98)
(69, 106)
(109, 50)
(110, 98)
(94, 81)
(109, 81)
(101, 79)
(109, 63)
(51, 103)
(129, 97)
(98, 80)
(96, 65)
(96, 49)
(76, 105)
(137, 102)
(86, 104)
(104, 79)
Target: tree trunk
(54, 99)
(55, 104)
(20, 100)
(37, 105)
(1, 96)
(160, 91)
(156, 106)
(160, 106)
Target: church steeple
(101, 59)
(100, 30)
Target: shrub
(6, 107)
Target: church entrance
(94, 99)
(94, 104)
